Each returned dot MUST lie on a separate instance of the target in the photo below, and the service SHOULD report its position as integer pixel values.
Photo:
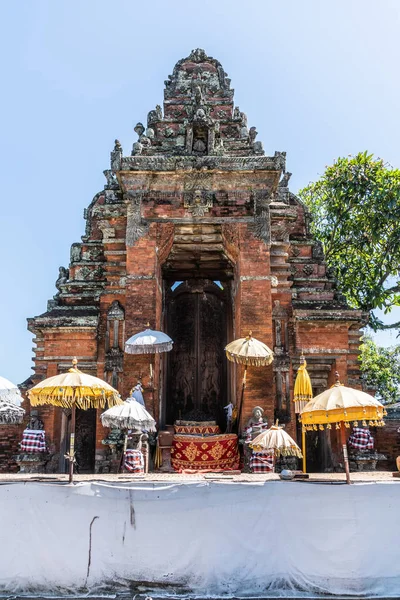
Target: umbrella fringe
(278, 452)
(127, 423)
(148, 349)
(11, 419)
(67, 398)
(251, 361)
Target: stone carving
(225, 163)
(198, 180)
(198, 55)
(112, 182)
(116, 312)
(236, 114)
(295, 251)
(75, 253)
(114, 360)
(284, 182)
(154, 115)
(168, 132)
(252, 134)
(256, 418)
(308, 269)
(281, 231)
(137, 149)
(116, 156)
(258, 148)
(35, 422)
(262, 223)
(135, 228)
(139, 129)
(198, 203)
(63, 275)
(318, 251)
(143, 140)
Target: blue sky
(318, 79)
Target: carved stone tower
(196, 232)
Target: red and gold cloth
(199, 453)
(197, 429)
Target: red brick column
(255, 314)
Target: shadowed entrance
(197, 318)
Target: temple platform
(201, 535)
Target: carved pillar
(114, 353)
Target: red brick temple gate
(197, 233)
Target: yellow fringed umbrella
(342, 405)
(302, 395)
(248, 351)
(70, 390)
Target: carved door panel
(196, 387)
(85, 440)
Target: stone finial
(139, 129)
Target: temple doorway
(198, 317)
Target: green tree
(355, 209)
(381, 370)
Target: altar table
(205, 453)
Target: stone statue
(284, 182)
(137, 148)
(35, 422)
(199, 146)
(109, 175)
(63, 275)
(150, 133)
(198, 95)
(158, 112)
(236, 114)
(256, 418)
(252, 134)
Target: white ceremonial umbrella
(277, 441)
(148, 341)
(129, 415)
(9, 392)
(248, 352)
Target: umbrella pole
(241, 398)
(304, 449)
(345, 455)
(72, 445)
(121, 464)
(152, 388)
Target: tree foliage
(355, 207)
(381, 370)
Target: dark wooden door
(196, 380)
(85, 440)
